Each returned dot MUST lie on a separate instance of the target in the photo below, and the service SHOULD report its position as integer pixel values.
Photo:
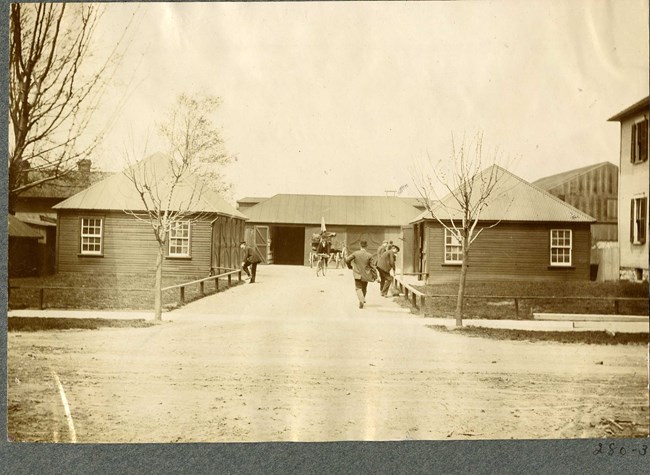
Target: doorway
(288, 243)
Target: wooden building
(22, 247)
(34, 207)
(281, 226)
(96, 231)
(593, 190)
(536, 237)
(633, 191)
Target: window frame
(170, 237)
(552, 247)
(458, 244)
(83, 235)
(639, 142)
(638, 220)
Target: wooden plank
(616, 327)
(582, 317)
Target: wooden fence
(418, 297)
(221, 273)
(228, 273)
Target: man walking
(362, 264)
(251, 259)
(385, 265)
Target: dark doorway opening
(288, 245)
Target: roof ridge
(577, 171)
(555, 198)
(533, 187)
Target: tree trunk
(158, 288)
(461, 288)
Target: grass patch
(587, 337)
(35, 324)
(105, 291)
(536, 297)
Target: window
(638, 213)
(561, 247)
(453, 249)
(639, 146)
(179, 239)
(91, 236)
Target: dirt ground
(292, 358)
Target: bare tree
(469, 180)
(54, 89)
(170, 185)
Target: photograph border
(483, 456)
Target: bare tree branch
(52, 93)
(470, 179)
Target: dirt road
(292, 358)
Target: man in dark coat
(361, 262)
(385, 265)
(251, 258)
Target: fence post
(516, 308)
(216, 284)
(422, 301)
(182, 294)
(41, 298)
(239, 275)
(414, 299)
(229, 280)
(202, 288)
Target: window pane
(561, 247)
(179, 239)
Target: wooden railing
(228, 273)
(412, 294)
(407, 289)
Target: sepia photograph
(328, 222)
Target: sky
(344, 97)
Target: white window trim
(636, 215)
(188, 238)
(82, 236)
(636, 153)
(570, 247)
(446, 261)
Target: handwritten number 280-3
(621, 451)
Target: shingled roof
(513, 199)
(117, 192)
(64, 186)
(335, 209)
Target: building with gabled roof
(34, 207)
(536, 237)
(594, 190)
(281, 227)
(633, 191)
(98, 232)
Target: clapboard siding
(128, 246)
(511, 251)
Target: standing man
(385, 265)
(362, 263)
(250, 259)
